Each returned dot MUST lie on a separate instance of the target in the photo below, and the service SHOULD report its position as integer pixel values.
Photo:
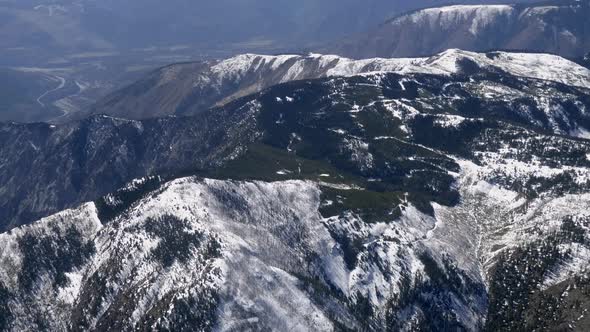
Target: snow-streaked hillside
(530, 65)
(228, 255)
(189, 88)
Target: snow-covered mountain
(382, 201)
(191, 87)
(558, 27)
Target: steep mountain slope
(183, 89)
(379, 202)
(45, 167)
(559, 27)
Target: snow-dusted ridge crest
(190, 88)
(530, 65)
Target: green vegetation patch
(371, 206)
(267, 163)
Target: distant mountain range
(559, 27)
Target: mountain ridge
(198, 86)
(549, 27)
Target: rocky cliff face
(557, 27)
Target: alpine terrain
(307, 193)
